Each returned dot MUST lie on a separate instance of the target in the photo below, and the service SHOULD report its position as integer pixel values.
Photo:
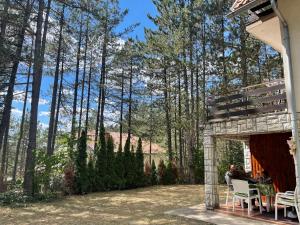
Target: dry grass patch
(140, 206)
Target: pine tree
(139, 163)
(101, 161)
(153, 173)
(81, 172)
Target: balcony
(253, 100)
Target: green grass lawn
(139, 206)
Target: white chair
(288, 198)
(242, 191)
(229, 188)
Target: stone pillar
(210, 170)
(247, 157)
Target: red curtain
(271, 151)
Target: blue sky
(138, 10)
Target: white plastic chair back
(240, 186)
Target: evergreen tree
(170, 175)
(153, 173)
(110, 180)
(128, 165)
(199, 166)
(139, 163)
(119, 169)
(101, 161)
(91, 175)
(81, 173)
(161, 172)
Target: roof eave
(246, 7)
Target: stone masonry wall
(235, 128)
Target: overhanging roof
(240, 6)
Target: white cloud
(19, 97)
(44, 113)
(43, 126)
(16, 112)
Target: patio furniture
(242, 191)
(229, 188)
(288, 198)
(268, 191)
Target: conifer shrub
(147, 173)
(101, 162)
(81, 175)
(154, 180)
(110, 177)
(161, 172)
(129, 166)
(139, 164)
(91, 175)
(119, 169)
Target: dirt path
(140, 206)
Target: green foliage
(119, 169)
(167, 175)
(110, 178)
(49, 170)
(91, 175)
(170, 176)
(153, 173)
(101, 162)
(81, 175)
(139, 164)
(199, 166)
(161, 172)
(16, 198)
(231, 153)
(129, 166)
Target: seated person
(234, 173)
(265, 178)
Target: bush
(139, 163)
(153, 174)
(161, 172)
(16, 198)
(199, 166)
(101, 162)
(232, 153)
(69, 179)
(91, 175)
(81, 175)
(119, 169)
(129, 166)
(147, 173)
(171, 174)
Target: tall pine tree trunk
(9, 95)
(40, 45)
(89, 94)
(167, 112)
(55, 86)
(130, 100)
(74, 110)
(60, 91)
(23, 115)
(83, 77)
(121, 110)
(101, 96)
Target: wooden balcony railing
(259, 99)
